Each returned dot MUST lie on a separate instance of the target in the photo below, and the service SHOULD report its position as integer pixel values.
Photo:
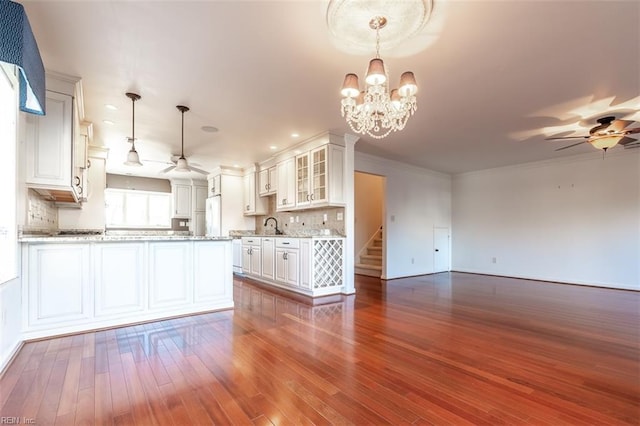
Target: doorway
(369, 244)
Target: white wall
(416, 201)
(574, 220)
(369, 206)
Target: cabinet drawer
(250, 240)
(288, 242)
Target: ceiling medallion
(347, 21)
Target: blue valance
(18, 46)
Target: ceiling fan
(608, 133)
(181, 164)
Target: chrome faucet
(278, 232)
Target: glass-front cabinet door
(319, 175)
(303, 195)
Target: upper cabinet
(286, 193)
(215, 185)
(268, 181)
(181, 200)
(320, 177)
(253, 204)
(56, 146)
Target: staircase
(371, 257)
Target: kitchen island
(78, 283)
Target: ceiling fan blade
(567, 137)
(626, 140)
(194, 169)
(168, 169)
(630, 131)
(157, 161)
(570, 146)
(618, 125)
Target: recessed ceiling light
(236, 165)
(111, 107)
(273, 147)
(109, 122)
(209, 129)
(295, 135)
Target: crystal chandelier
(377, 111)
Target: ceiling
(495, 77)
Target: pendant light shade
(133, 159)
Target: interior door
(441, 250)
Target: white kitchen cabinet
(58, 285)
(320, 177)
(253, 204)
(119, 277)
(214, 185)
(268, 252)
(199, 194)
(237, 255)
(208, 287)
(251, 256)
(169, 274)
(306, 251)
(286, 192)
(199, 223)
(49, 141)
(268, 181)
(181, 200)
(71, 287)
(287, 255)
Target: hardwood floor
(439, 349)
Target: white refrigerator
(213, 217)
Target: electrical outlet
(291, 219)
(297, 219)
(494, 260)
(339, 216)
(324, 217)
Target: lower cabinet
(312, 266)
(251, 260)
(57, 290)
(208, 286)
(74, 287)
(287, 261)
(268, 253)
(169, 271)
(120, 279)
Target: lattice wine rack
(328, 263)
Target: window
(127, 208)
(8, 125)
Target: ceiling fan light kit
(133, 159)
(377, 111)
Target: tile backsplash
(42, 214)
(307, 220)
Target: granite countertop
(97, 236)
(307, 233)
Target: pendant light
(132, 157)
(181, 164)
